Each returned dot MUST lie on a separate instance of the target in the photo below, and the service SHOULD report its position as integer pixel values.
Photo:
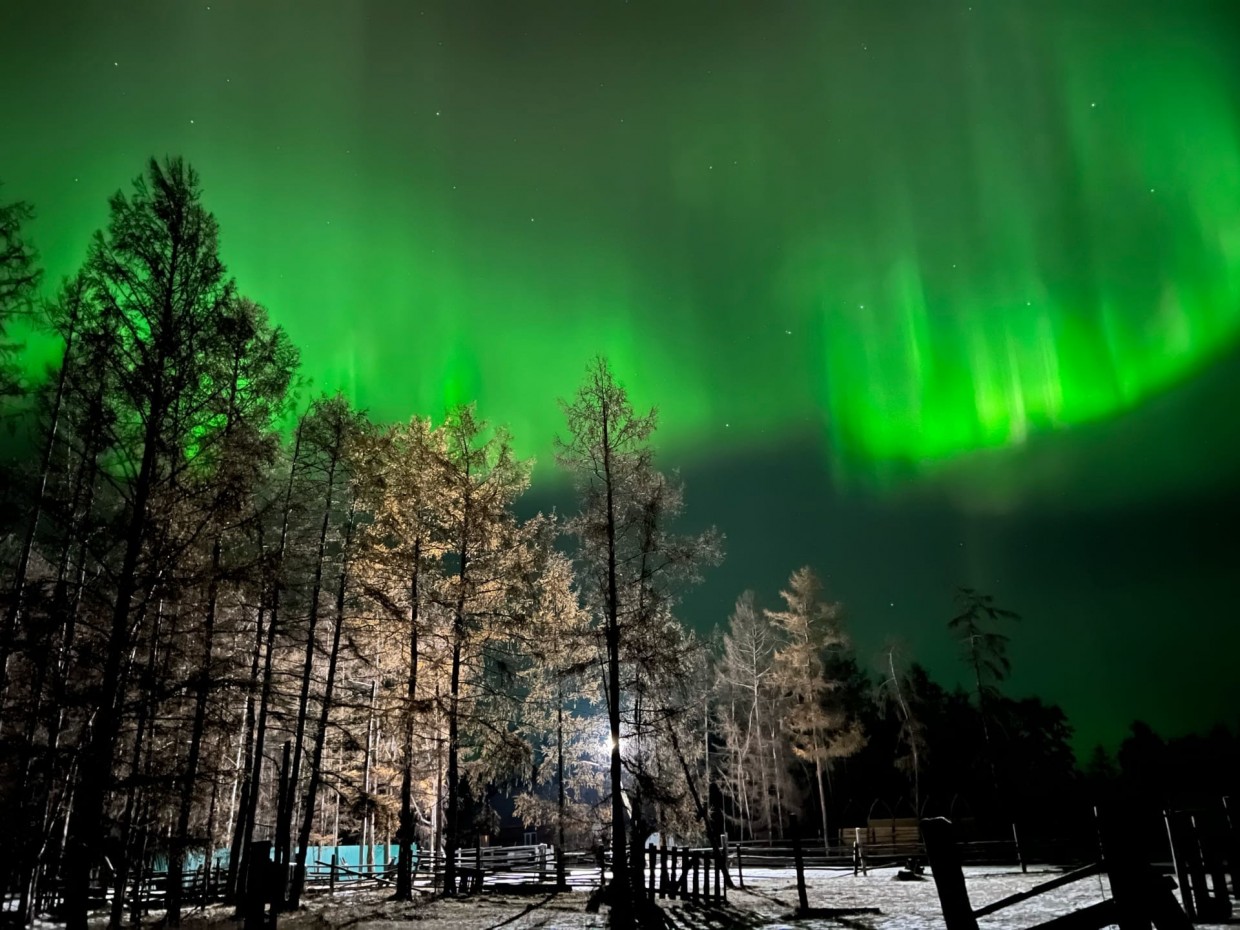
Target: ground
(766, 904)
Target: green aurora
(948, 244)
(933, 232)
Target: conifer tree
(818, 733)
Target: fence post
(1233, 846)
(740, 866)
(948, 875)
(664, 879)
(476, 884)
(1175, 834)
(1019, 858)
(799, 859)
(1128, 874)
(697, 867)
(258, 885)
(331, 875)
(652, 890)
(721, 887)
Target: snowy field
(772, 895)
(766, 903)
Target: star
(1092, 105)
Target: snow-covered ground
(766, 903)
(772, 894)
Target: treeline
(233, 614)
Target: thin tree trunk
(237, 865)
(698, 806)
(12, 616)
(189, 778)
(454, 694)
(621, 905)
(246, 762)
(404, 862)
(284, 824)
(561, 880)
(95, 769)
(316, 757)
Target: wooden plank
(1041, 888)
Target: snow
(910, 905)
(766, 903)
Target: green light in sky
(1071, 311)
(957, 229)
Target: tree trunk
(95, 768)
(189, 778)
(404, 862)
(247, 761)
(12, 616)
(453, 841)
(284, 824)
(621, 905)
(249, 809)
(561, 880)
(316, 758)
(703, 815)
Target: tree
(819, 733)
(756, 765)
(608, 452)
(983, 647)
(19, 279)
(159, 294)
(401, 552)
(554, 713)
(897, 691)
(482, 547)
(260, 366)
(629, 562)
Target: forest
(235, 610)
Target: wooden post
(1175, 840)
(1219, 903)
(653, 889)
(258, 885)
(1019, 858)
(1233, 846)
(331, 875)
(799, 859)
(664, 878)
(477, 882)
(948, 875)
(697, 865)
(740, 868)
(721, 886)
(1129, 875)
(542, 864)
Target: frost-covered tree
(630, 563)
(819, 733)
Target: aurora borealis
(930, 272)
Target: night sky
(927, 293)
